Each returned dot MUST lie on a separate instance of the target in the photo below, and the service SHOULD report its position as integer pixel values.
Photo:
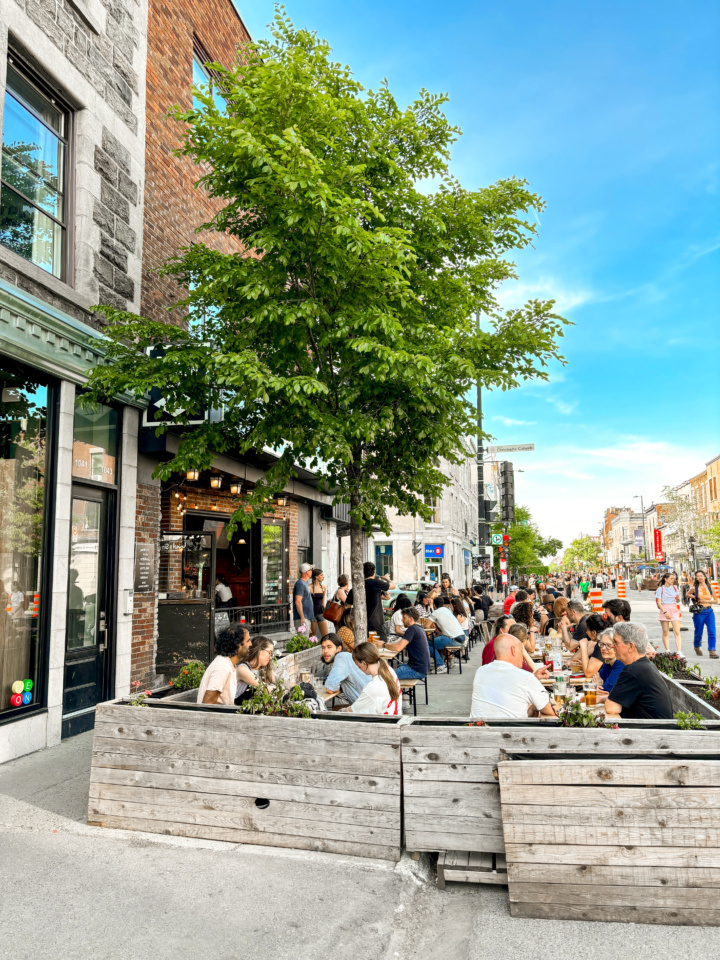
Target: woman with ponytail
(382, 695)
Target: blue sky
(609, 109)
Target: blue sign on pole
(434, 551)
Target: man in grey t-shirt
(303, 613)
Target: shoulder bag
(696, 607)
(334, 611)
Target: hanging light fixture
(280, 500)
(193, 475)
(235, 488)
(216, 481)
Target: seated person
(503, 691)
(502, 626)
(381, 694)
(423, 604)
(461, 614)
(219, 682)
(346, 629)
(256, 669)
(416, 643)
(572, 625)
(548, 605)
(524, 614)
(396, 628)
(449, 632)
(612, 667)
(482, 601)
(640, 692)
(520, 597)
(344, 675)
(586, 657)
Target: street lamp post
(638, 496)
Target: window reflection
(23, 438)
(95, 442)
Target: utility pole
(642, 511)
(483, 531)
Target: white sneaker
(442, 669)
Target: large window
(33, 201)
(384, 560)
(203, 77)
(95, 442)
(23, 476)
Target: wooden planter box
(207, 771)
(618, 840)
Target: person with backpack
(667, 598)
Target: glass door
(273, 562)
(88, 613)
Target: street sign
(497, 539)
(514, 448)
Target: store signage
(144, 568)
(658, 545)
(434, 551)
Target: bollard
(596, 601)
(622, 595)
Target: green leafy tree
(347, 327)
(583, 550)
(527, 546)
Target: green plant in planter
(674, 666)
(689, 721)
(270, 702)
(573, 715)
(711, 691)
(139, 697)
(190, 676)
(300, 642)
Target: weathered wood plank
(609, 797)
(480, 793)
(701, 917)
(448, 755)
(461, 772)
(292, 841)
(477, 876)
(387, 785)
(617, 816)
(602, 835)
(544, 739)
(433, 842)
(674, 773)
(258, 822)
(618, 855)
(605, 894)
(329, 796)
(187, 800)
(242, 724)
(207, 737)
(489, 810)
(564, 873)
(237, 754)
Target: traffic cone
(622, 594)
(596, 601)
(715, 589)
(36, 604)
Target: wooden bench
(409, 687)
(463, 867)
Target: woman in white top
(382, 695)
(402, 601)
(256, 670)
(667, 598)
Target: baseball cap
(304, 567)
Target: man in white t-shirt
(219, 682)
(502, 690)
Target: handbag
(334, 611)
(696, 607)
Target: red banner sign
(658, 545)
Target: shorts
(669, 612)
(319, 618)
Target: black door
(88, 613)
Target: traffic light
(507, 492)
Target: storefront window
(23, 442)
(273, 562)
(95, 442)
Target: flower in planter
(302, 628)
(312, 639)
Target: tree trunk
(357, 578)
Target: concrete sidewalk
(75, 892)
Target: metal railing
(262, 618)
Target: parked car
(410, 588)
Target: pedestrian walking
(701, 608)
(638, 581)
(584, 586)
(667, 598)
(600, 580)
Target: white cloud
(562, 406)
(509, 422)
(514, 294)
